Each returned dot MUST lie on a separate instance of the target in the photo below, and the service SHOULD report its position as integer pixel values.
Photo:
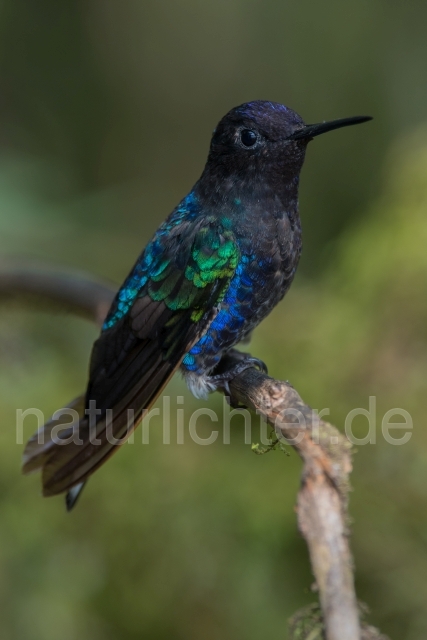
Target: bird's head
(266, 140)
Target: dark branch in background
(322, 506)
(44, 287)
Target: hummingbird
(221, 261)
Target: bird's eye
(248, 137)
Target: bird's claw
(259, 364)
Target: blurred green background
(106, 110)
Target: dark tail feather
(40, 446)
(68, 461)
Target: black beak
(312, 130)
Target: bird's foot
(237, 363)
(231, 365)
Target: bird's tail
(41, 445)
(72, 445)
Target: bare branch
(326, 453)
(322, 499)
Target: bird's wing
(165, 305)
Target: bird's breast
(272, 239)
